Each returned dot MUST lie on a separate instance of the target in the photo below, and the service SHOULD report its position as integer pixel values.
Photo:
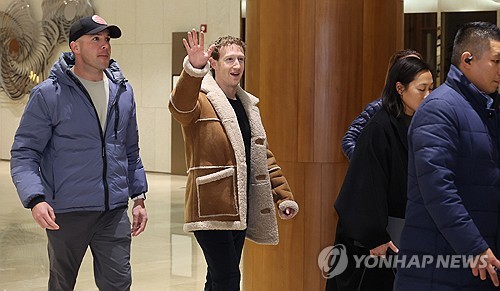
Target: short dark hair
(226, 41)
(474, 37)
(404, 70)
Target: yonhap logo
(332, 261)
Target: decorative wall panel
(26, 44)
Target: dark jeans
(107, 234)
(222, 250)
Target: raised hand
(195, 49)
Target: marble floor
(163, 257)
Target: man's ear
(466, 58)
(213, 63)
(75, 47)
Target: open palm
(195, 49)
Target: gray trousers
(107, 234)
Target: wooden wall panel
(278, 83)
(311, 215)
(380, 22)
(311, 63)
(338, 50)
(284, 260)
(306, 59)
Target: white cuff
(288, 204)
(194, 72)
(140, 196)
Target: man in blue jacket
(452, 230)
(75, 160)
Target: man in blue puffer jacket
(452, 228)
(76, 158)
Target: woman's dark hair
(404, 70)
(401, 55)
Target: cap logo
(98, 19)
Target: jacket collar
(67, 61)
(209, 85)
(228, 118)
(223, 107)
(459, 82)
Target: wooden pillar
(314, 64)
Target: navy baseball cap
(92, 25)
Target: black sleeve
(362, 201)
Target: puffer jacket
(217, 194)
(453, 203)
(357, 125)
(61, 154)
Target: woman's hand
(381, 250)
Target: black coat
(374, 187)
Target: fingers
(482, 273)
(140, 218)
(379, 251)
(193, 39)
(52, 220)
(186, 45)
(287, 213)
(493, 270)
(202, 39)
(194, 36)
(485, 266)
(393, 247)
(475, 271)
(47, 222)
(44, 215)
(139, 225)
(493, 275)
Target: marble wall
(144, 54)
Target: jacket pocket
(217, 194)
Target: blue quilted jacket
(62, 156)
(453, 203)
(357, 125)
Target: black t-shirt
(244, 128)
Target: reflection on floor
(163, 257)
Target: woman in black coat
(371, 203)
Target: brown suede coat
(216, 191)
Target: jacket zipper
(103, 143)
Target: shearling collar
(225, 111)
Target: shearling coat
(216, 191)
